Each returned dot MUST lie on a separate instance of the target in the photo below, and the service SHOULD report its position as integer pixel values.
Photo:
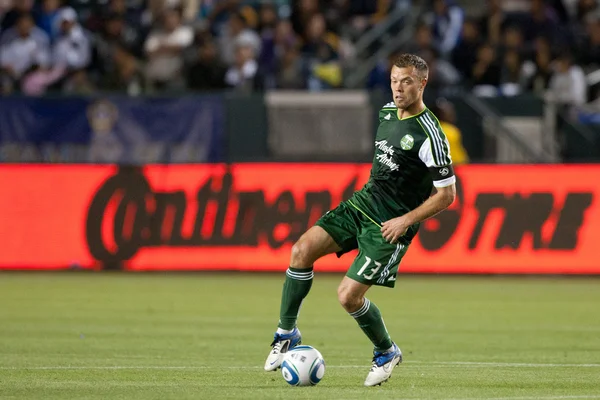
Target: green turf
(205, 336)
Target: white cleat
(383, 365)
(281, 344)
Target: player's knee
(301, 255)
(349, 300)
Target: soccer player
(411, 156)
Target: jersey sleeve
(385, 113)
(435, 153)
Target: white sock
(283, 331)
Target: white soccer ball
(303, 366)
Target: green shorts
(377, 260)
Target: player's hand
(395, 228)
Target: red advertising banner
(507, 219)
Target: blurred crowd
(495, 47)
(162, 46)
(508, 47)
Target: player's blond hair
(412, 60)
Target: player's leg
(333, 232)
(376, 264)
(386, 354)
(351, 295)
(311, 246)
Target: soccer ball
(303, 366)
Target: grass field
(205, 336)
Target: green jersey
(411, 156)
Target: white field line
(422, 363)
(591, 396)
(247, 367)
(505, 364)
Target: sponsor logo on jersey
(444, 171)
(407, 142)
(388, 117)
(386, 158)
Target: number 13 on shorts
(379, 267)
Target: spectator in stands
(513, 51)
(126, 76)
(237, 29)
(379, 77)
(219, 12)
(442, 73)
(586, 8)
(79, 84)
(285, 36)
(423, 40)
(207, 71)
(491, 24)
(289, 72)
(132, 14)
(537, 72)
(288, 68)
(446, 21)
(337, 16)
(40, 79)
(515, 6)
(568, 85)
(486, 72)
(5, 7)
(244, 75)
(25, 26)
(381, 12)
(511, 77)
(512, 39)
(206, 7)
(360, 12)
(590, 54)
(312, 58)
(48, 17)
(464, 55)
(132, 17)
(164, 50)
(268, 57)
(445, 112)
(560, 9)
(567, 9)
(364, 14)
(189, 8)
(116, 35)
(590, 48)
(72, 47)
(19, 8)
(542, 20)
(302, 13)
(422, 45)
(267, 20)
(116, 29)
(24, 48)
(321, 61)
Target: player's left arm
(394, 228)
(444, 180)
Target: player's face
(407, 86)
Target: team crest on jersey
(407, 142)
